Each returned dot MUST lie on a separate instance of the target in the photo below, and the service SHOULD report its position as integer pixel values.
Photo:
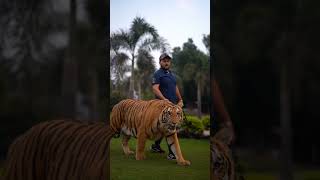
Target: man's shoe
(156, 149)
(171, 157)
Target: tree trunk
(131, 87)
(69, 81)
(199, 98)
(286, 159)
(139, 89)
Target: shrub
(206, 122)
(192, 127)
(115, 97)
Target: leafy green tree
(206, 41)
(192, 65)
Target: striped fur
(221, 161)
(60, 149)
(144, 120)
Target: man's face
(165, 63)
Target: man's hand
(157, 92)
(180, 103)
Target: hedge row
(193, 127)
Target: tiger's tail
(116, 120)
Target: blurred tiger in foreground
(148, 120)
(222, 159)
(60, 149)
(222, 164)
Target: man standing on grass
(164, 86)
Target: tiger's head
(171, 118)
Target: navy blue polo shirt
(167, 84)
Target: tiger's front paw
(140, 156)
(184, 163)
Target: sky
(175, 20)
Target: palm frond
(119, 66)
(145, 61)
(120, 40)
(162, 44)
(140, 28)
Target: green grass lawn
(156, 166)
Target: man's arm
(157, 92)
(178, 94)
(180, 102)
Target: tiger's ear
(163, 104)
(162, 107)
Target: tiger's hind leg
(125, 145)
(141, 142)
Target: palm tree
(118, 66)
(70, 68)
(26, 51)
(141, 35)
(146, 68)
